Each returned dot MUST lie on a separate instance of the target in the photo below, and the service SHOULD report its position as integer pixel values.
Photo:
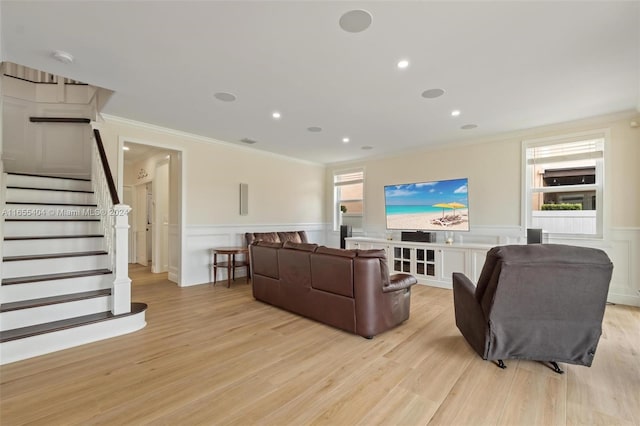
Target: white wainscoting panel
(200, 239)
(623, 247)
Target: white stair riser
(50, 288)
(16, 350)
(44, 182)
(56, 312)
(23, 268)
(45, 228)
(39, 211)
(39, 196)
(58, 245)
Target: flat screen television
(441, 205)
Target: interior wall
(284, 193)
(494, 169)
(281, 190)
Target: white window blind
(563, 152)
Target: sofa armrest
(399, 282)
(470, 319)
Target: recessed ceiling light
(432, 93)
(345, 140)
(403, 64)
(62, 56)
(455, 113)
(355, 21)
(225, 97)
(367, 147)
(125, 148)
(314, 129)
(276, 115)
(248, 141)
(469, 126)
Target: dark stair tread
(49, 189)
(45, 301)
(50, 220)
(34, 330)
(51, 277)
(54, 255)
(49, 177)
(51, 204)
(53, 237)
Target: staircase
(57, 278)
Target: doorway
(151, 179)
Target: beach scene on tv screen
(439, 205)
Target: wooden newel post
(121, 292)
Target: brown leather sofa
(276, 237)
(347, 289)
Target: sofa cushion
(264, 259)
(294, 236)
(294, 267)
(300, 246)
(332, 271)
(336, 252)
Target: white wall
(284, 194)
(55, 149)
(493, 167)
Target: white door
(140, 217)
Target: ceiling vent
(248, 141)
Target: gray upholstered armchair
(541, 302)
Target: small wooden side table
(230, 263)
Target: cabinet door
(451, 260)
(425, 263)
(401, 259)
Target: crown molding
(199, 138)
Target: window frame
(600, 187)
(337, 217)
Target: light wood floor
(212, 355)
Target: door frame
(177, 276)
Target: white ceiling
(138, 152)
(504, 65)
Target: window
(348, 190)
(564, 185)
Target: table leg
(215, 268)
(229, 269)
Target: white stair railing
(115, 225)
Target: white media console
(431, 263)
